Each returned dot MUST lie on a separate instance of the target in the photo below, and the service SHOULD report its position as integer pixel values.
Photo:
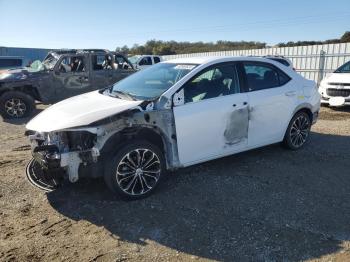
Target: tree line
(159, 47)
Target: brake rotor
(39, 177)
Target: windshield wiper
(124, 94)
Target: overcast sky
(108, 24)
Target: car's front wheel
(136, 170)
(15, 104)
(298, 131)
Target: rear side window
(263, 76)
(156, 59)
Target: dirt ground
(269, 204)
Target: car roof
(201, 60)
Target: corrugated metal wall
(28, 53)
(313, 62)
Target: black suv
(62, 74)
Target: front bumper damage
(56, 158)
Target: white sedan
(174, 114)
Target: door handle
(290, 93)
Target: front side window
(120, 62)
(261, 76)
(72, 64)
(216, 81)
(150, 83)
(344, 68)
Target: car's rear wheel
(136, 170)
(14, 104)
(298, 131)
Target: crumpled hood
(338, 78)
(79, 111)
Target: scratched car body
(174, 114)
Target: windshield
(150, 83)
(133, 59)
(344, 68)
(50, 61)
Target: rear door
(272, 100)
(212, 120)
(71, 76)
(101, 70)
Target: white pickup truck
(143, 61)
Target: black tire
(298, 131)
(132, 181)
(22, 105)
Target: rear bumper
(315, 117)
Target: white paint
(200, 128)
(270, 112)
(200, 125)
(79, 111)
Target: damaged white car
(171, 115)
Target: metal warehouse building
(28, 53)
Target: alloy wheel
(299, 130)
(15, 107)
(138, 171)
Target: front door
(71, 77)
(272, 100)
(212, 121)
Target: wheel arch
(150, 134)
(307, 108)
(26, 89)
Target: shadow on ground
(266, 204)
